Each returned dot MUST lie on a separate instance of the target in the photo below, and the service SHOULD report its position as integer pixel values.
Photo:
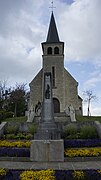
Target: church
(64, 86)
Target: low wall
(98, 128)
(21, 126)
(2, 128)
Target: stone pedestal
(47, 150)
(47, 129)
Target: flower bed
(15, 148)
(18, 144)
(22, 149)
(14, 152)
(38, 175)
(51, 174)
(86, 152)
(78, 174)
(67, 143)
(82, 143)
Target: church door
(56, 105)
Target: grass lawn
(88, 118)
(78, 118)
(17, 119)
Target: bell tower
(53, 61)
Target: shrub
(29, 136)
(2, 115)
(70, 132)
(9, 114)
(33, 129)
(5, 114)
(20, 136)
(88, 132)
(9, 136)
(11, 129)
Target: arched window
(56, 50)
(49, 50)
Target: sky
(24, 26)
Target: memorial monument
(47, 128)
(52, 91)
(47, 145)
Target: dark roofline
(52, 36)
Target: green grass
(78, 118)
(88, 118)
(17, 119)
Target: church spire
(52, 36)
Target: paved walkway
(51, 165)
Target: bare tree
(89, 97)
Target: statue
(38, 108)
(47, 92)
(72, 113)
(67, 110)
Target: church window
(56, 50)
(49, 50)
(53, 76)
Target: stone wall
(58, 63)
(36, 90)
(3, 125)
(66, 87)
(98, 128)
(21, 126)
(71, 92)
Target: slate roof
(52, 36)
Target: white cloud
(97, 111)
(93, 80)
(81, 28)
(24, 25)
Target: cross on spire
(52, 6)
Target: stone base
(47, 150)
(47, 131)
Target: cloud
(24, 25)
(81, 28)
(97, 111)
(94, 110)
(93, 80)
(20, 35)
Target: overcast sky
(23, 27)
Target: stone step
(66, 159)
(59, 117)
(83, 165)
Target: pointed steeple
(52, 36)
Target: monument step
(61, 114)
(59, 117)
(66, 159)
